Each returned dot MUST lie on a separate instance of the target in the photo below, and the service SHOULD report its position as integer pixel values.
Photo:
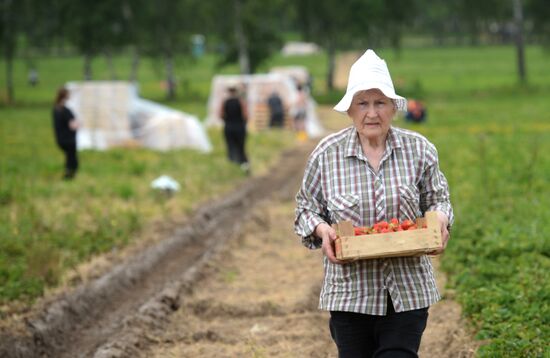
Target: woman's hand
(73, 124)
(328, 235)
(443, 224)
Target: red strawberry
(406, 224)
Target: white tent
(299, 74)
(112, 115)
(295, 48)
(258, 88)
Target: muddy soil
(259, 297)
(111, 315)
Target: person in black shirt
(65, 127)
(276, 110)
(234, 115)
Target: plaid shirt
(339, 184)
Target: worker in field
(300, 112)
(276, 110)
(65, 127)
(416, 111)
(234, 114)
(370, 173)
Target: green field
(48, 226)
(493, 137)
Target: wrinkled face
(372, 113)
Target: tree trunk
(244, 58)
(331, 53)
(87, 67)
(110, 65)
(170, 78)
(520, 46)
(395, 39)
(9, 49)
(135, 65)
(9, 79)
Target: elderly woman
(367, 173)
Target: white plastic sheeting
(299, 74)
(159, 127)
(258, 87)
(111, 114)
(165, 183)
(295, 48)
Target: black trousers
(71, 158)
(276, 120)
(395, 335)
(235, 138)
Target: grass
(49, 226)
(492, 135)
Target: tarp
(111, 114)
(295, 48)
(299, 74)
(257, 89)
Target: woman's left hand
(443, 224)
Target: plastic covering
(111, 114)
(257, 89)
(294, 48)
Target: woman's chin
(372, 132)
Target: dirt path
(259, 299)
(111, 316)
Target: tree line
(249, 31)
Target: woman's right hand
(328, 235)
(73, 125)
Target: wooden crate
(399, 243)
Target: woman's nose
(371, 111)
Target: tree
(518, 21)
(10, 12)
(245, 27)
(338, 27)
(94, 26)
(539, 12)
(169, 25)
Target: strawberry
(406, 224)
(394, 224)
(383, 225)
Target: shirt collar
(353, 147)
